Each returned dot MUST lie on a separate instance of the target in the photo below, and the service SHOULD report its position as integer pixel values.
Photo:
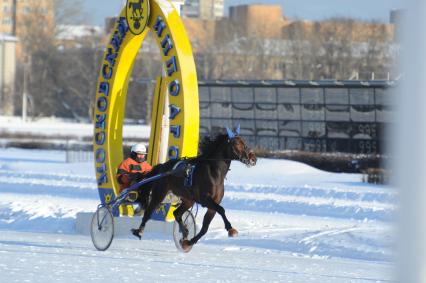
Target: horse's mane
(206, 148)
(208, 145)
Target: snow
(152, 261)
(57, 127)
(295, 223)
(73, 32)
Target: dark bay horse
(207, 189)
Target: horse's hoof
(137, 233)
(232, 233)
(186, 245)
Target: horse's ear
(231, 135)
(237, 131)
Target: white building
(204, 9)
(7, 73)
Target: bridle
(236, 155)
(242, 157)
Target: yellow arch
(179, 85)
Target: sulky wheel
(102, 228)
(189, 221)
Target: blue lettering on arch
(103, 178)
(173, 152)
(106, 72)
(159, 26)
(100, 138)
(174, 111)
(171, 66)
(104, 88)
(122, 26)
(110, 57)
(166, 44)
(175, 130)
(100, 155)
(116, 41)
(100, 121)
(174, 88)
(102, 104)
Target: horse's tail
(147, 188)
(144, 196)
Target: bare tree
(63, 75)
(147, 67)
(77, 78)
(337, 48)
(376, 57)
(40, 54)
(300, 58)
(332, 47)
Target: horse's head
(239, 150)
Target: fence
(317, 116)
(76, 156)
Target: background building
(7, 73)
(397, 17)
(14, 12)
(7, 16)
(26, 19)
(264, 21)
(203, 9)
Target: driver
(133, 169)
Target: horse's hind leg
(158, 194)
(143, 197)
(211, 204)
(184, 206)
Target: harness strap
(178, 164)
(187, 171)
(188, 176)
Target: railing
(77, 156)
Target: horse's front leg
(206, 223)
(211, 204)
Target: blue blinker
(231, 134)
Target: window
(7, 21)
(26, 9)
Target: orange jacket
(127, 169)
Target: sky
(294, 9)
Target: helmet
(139, 148)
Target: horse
(207, 183)
(136, 7)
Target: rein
(217, 159)
(237, 157)
(224, 159)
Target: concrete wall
(7, 74)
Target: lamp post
(2, 67)
(25, 94)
